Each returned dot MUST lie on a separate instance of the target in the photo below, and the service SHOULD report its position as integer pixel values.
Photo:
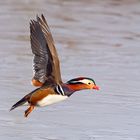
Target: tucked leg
(29, 110)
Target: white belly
(51, 99)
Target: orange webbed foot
(28, 111)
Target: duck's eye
(89, 83)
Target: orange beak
(95, 87)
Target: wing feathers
(46, 61)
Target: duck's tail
(21, 102)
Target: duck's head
(82, 83)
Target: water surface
(98, 39)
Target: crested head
(83, 83)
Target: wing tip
(42, 16)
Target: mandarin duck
(46, 71)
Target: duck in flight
(46, 71)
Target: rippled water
(98, 39)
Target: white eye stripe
(85, 81)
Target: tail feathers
(21, 102)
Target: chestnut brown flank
(40, 94)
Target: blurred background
(94, 38)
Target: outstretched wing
(46, 62)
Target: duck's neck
(69, 89)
